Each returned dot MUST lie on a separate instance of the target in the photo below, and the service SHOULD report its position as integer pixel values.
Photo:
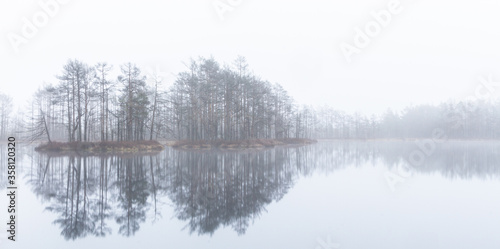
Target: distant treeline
(460, 120)
(210, 101)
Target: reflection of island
(216, 188)
(229, 189)
(208, 189)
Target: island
(111, 147)
(208, 105)
(151, 146)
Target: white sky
(431, 52)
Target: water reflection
(213, 189)
(229, 189)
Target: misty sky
(428, 52)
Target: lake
(332, 194)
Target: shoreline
(239, 144)
(101, 147)
(153, 146)
(149, 146)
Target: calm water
(328, 195)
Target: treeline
(455, 120)
(210, 101)
(206, 102)
(86, 105)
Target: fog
(426, 52)
(250, 124)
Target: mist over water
(193, 124)
(219, 195)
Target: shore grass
(239, 144)
(102, 147)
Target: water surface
(327, 195)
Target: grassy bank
(102, 147)
(239, 144)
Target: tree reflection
(214, 189)
(72, 203)
(133, 193)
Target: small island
(152, 146)
(209, 105)
(111, 147)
